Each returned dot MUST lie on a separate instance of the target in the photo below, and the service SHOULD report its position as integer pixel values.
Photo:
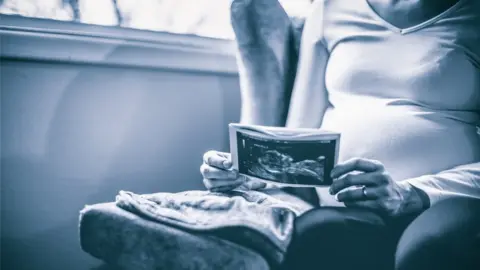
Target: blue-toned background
(84, 117)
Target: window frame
(33, 39)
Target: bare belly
(409, 140)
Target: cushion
(128, 241)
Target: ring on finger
(364, 192)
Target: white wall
(78, 125)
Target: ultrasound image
(287, 162)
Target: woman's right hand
(218, 175)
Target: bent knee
(318, 220)
(444, 236)
(438, 254)
(323, 236)
(332, 224)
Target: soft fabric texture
(192, 230)
(254, 219)
(129, 242)
(409, 98)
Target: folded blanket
(261, 221)
(127, 241)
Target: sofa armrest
(130, 242)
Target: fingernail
(227, 164)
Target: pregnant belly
(410, 142)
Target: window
(208, 18)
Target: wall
(83, 117)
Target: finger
(356, 164)
(358, 194)
(217, 159)
(363, 179)
(212, 172)
(223, 154)
(212, 184)
(224, 188)
(255, 185)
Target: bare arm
(268, 60)
(309, 99)
(265, 56)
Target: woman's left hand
(373, 187)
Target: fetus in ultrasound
(280, 167)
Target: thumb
(255, 184)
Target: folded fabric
(261, 221)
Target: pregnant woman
(401, 81)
